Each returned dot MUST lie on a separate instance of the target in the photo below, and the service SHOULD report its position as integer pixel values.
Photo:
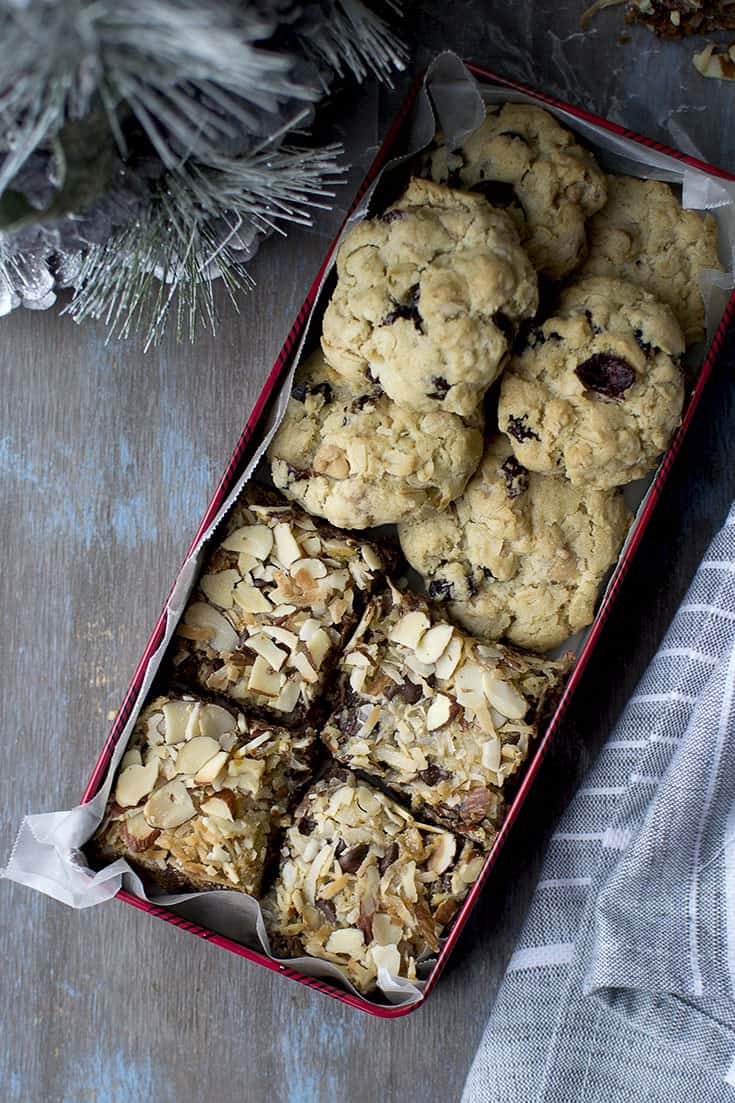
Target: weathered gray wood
(107, 459)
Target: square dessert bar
(439, 717)
(200, 793)
(274, 604)
(362, 884)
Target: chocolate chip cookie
(427, 300)
(644, 235)
(519, 555)
(358, 459)
(523, 159)
(597, 391)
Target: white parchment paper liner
(47, 854)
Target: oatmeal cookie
(519, 555)
(427, 300)
(359, 459)
(523, 159)
(597, 391)
(644, 235)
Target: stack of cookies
(436, 300)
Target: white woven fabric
(622, 986)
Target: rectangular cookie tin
(243, 452)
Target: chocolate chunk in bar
(368, 885)
(273, 606)
(200, 793)
(450, 745)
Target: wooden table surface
(108, 458)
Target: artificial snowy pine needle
(191, 234)
(157, 127)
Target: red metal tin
(241, 454)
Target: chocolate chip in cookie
(517, 428)
(606, 374)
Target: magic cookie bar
(363, 884)
(441, 718)
(273, 606)
(200, 792)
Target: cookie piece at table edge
(673, 20)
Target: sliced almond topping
(223, 637)
(246, 563)
(434, 642)
(287, 548)
(251, 599)
(349, 941)
(491, 754)
(358, 676)
(263, 679)
(371, 557)
(258, 741)
(385, 932)
(195, 753)
(288, 639)
(215, 721)
(255, 540)
(469, 679)
(443, 852)
(471, 871)
(135, 782)
(192, 724)
(498, 719)
(419, 758)
(283, 610)
(483, 716)
(137, 834)
(176, 718)
(132, 757)
(218, 805)
(438, 712)
(169, 806)
(504, 697)
(262, 645)
(219, 587)
(401, 762)
(319, 646)
(372, 719)
(408, 882)
(410, 628)
(312, 568)
(447, 664)
(288, 698)
(356, 658)
(304, 667)
(388, 958)
(246, 773)
(209, 772)
(709, 63)
(308, 628)
(368, 800)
